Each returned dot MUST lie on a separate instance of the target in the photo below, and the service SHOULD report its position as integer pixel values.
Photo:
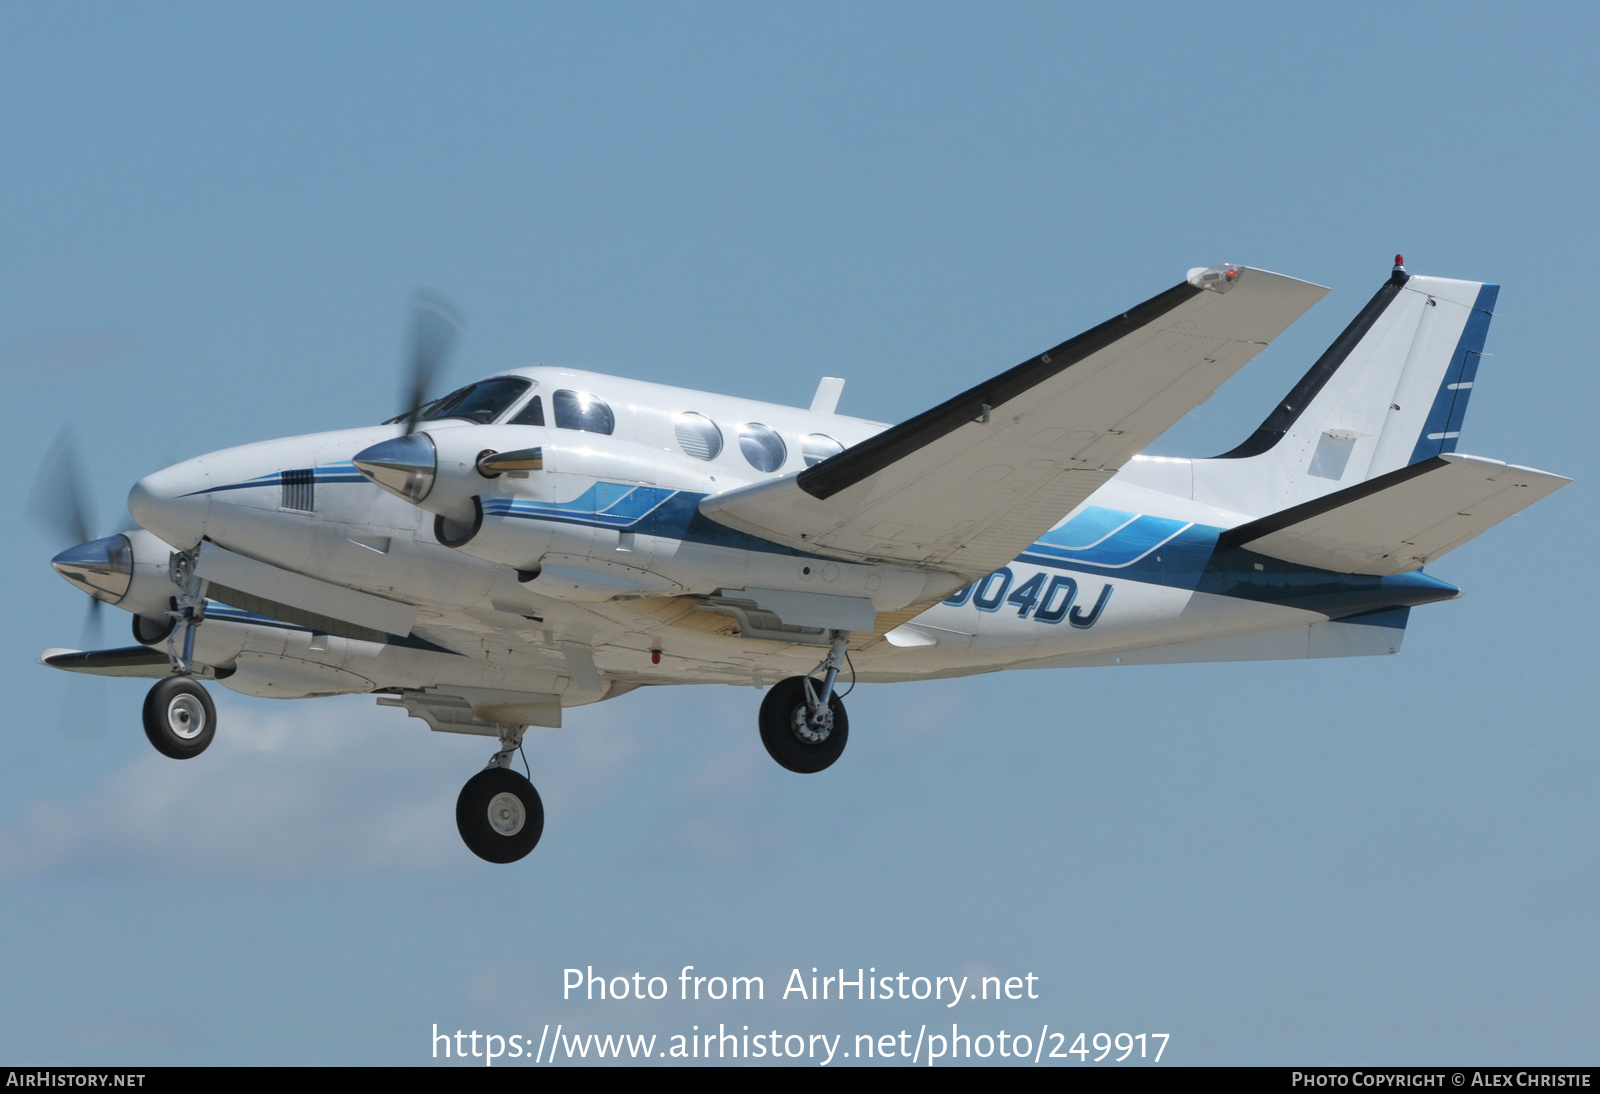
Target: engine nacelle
(477, 479)
(129, 570)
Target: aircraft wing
(967, 485)
(1401, 521)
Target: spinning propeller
(435, 325)
(405, 464)
(60, 503)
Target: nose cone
(402, 465)
(102, 568)
(173, 503)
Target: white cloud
(321, 788)
(332, 786)
(341, 786)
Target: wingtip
(1256, 280)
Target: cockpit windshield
(481, 402)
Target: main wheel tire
(499, 815)
(789, 739)
(179, 718)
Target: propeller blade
(59, 499)
(435, 326)
(92, 627)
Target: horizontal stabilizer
(966, 485)
(1400, 521)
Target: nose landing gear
(179, 718)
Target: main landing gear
(803, 723)
(179, 718)
(499, 813)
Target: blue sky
(215, 215)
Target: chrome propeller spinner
(404, 465)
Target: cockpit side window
(481, 402)
(580, 410)
(532, 414)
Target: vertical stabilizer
(1390, 391)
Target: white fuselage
(627, 566)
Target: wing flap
(968, 484)
(1401, 521)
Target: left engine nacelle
(129, 569)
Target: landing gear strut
(803, 722)
(178, 716)
(499, 813)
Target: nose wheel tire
(179, 718)
(499, 815)
(797, 741)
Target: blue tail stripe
(1441, 431)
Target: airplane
(546, 538)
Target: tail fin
(1390, 391)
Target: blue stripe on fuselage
(333, 472)
(1130, 538)
(645, 510)
(1192, 560)
(1108, 542)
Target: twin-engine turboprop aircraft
(544, 538)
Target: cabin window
(762, 447)
(481, 402)
(817, 447)
(580, 410)
(532, 414)
(698, 435)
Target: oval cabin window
(698, 435)
(817, 447)
(762, 447)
